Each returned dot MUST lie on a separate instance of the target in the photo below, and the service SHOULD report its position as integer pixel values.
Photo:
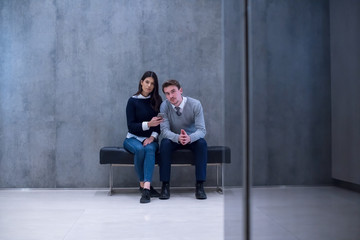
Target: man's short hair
(171, 82)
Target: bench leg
(111, 181)
(218, 188)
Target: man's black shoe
(165, 191)
(200, 192)
(153, 192)
(145, 196)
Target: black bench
(118, 156)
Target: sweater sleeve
(199, 123)
(165, 125)
(133, 126)
(155, 129)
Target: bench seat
(118, 156)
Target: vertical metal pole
(219, 187)
(111, 180)
(217, 177)
(221, 178)
(246, 135)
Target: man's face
(173, 94)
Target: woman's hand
(155, 121)
(148, 140)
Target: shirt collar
(140, 96)
(182, 104)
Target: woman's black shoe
(145, 196)
(153, 192)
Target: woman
(144, 128)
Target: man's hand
(148, 140)
(184, 138)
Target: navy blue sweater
(137, 111)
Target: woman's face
(147, 86)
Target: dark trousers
(199, 149)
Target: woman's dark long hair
(155, 99)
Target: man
(183, 128)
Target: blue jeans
(199, 149)
(144, 157)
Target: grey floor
(296, 213)
(279, 213)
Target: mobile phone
(160, 115)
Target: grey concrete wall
(290, 91)
(68, 67)
(345, 89)
(27, 90)
(291, 111)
